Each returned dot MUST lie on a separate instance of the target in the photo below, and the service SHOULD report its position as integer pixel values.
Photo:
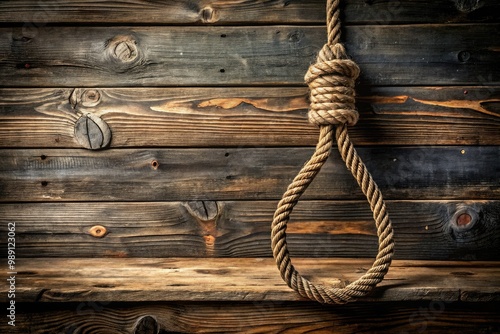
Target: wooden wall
(206, 106)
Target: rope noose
(331, 82)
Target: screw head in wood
(92, 132)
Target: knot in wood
(209, 15)
(204, 210)
(124, 48)
(464, 218)
(146, 325)
(98, 231)
(123, 53)
(467, 6)
(90, 98)
(331, 83)
(85, 97)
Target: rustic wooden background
(207, 108)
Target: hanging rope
(331, 82)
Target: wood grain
(209, 117)
(242, 173)
(259, 317)
(168, 230)
(423, 230)
(242, 279)
(35, 13)
(243, 56)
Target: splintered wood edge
(241, 279)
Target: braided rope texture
(331, 82)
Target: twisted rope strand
(331, 81)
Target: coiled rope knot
(331, 82)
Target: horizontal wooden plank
(256, 317)
(253, 55)
(209, 117)
(250, 279)
(35, 13)
(423, 230)
(242, 173)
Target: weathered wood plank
(208, 117)
(242, 173)
(36, 13)
(258, 317)
(252, 55)
(243, 279)
(423, 230)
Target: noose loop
(331, 82)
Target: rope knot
(331, 83)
